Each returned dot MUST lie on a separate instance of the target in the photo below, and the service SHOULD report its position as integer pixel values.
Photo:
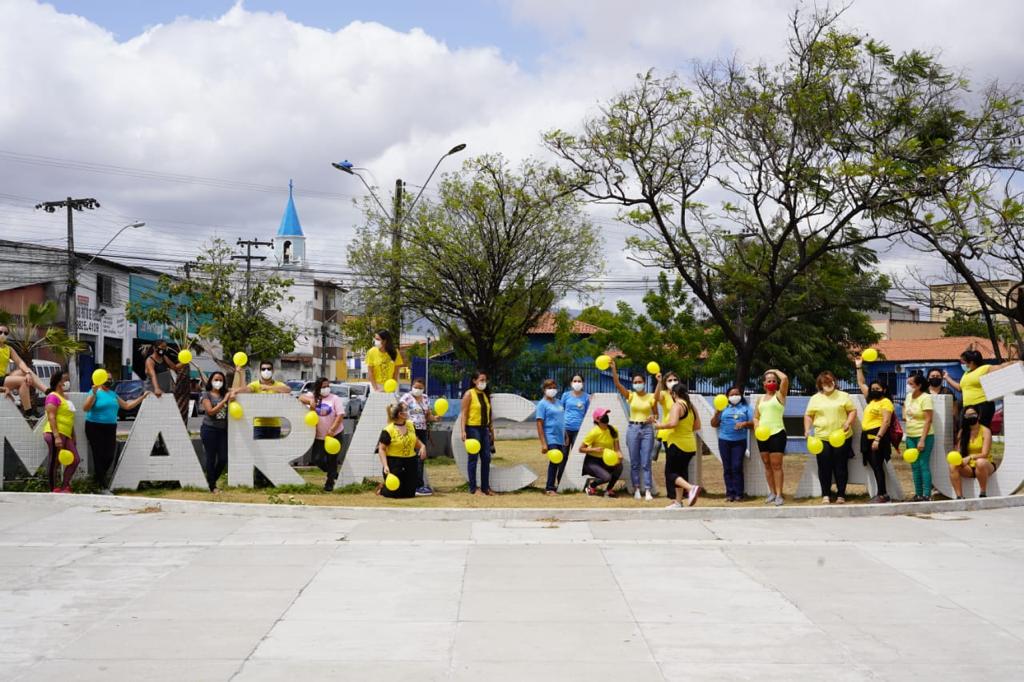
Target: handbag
(895, 431)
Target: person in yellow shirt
(769, 413)
(383, 360)
(831, 410)
(680, 448)
(875, 441)
(640, 434)
(477, 424)
(918, 411)
(264, 428)
(976, 449)
(974, 368)
(398, 448)
(602, 437)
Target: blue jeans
(482, 434)
(555, 471)
(640, 441)
(732, 452)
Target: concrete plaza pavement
(94, 593)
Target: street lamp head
(137, 225)
(344, 166)
(456, 149)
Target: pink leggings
(69, 470)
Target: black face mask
(604, 419)
(875, 395)
(935, 381)
(971, 421)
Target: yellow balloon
(332, 445)
(392, 482)
(653, 367)
(955, 458)
(65, 457)
(184, 356)
(390, 386)
(472, 446)
(235, 410)
(610, 457)
(603, 362)
(555, 455)
(837, 438)
(910, 455)
(99, 377)
(240, 359)
(440, 407)
(762, 433)
(312, 418)
(814, 445)
(869, 355)
(721, 402)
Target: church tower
(290, 243)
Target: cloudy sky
(193, 116)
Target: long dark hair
(477, 373)
(319, 383)
(209, 381)
(388, 342)
(607, 421)
(965, 431)
(679, 392)
(57, 379)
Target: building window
(105, 289)
(287, 257)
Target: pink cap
(599, 413)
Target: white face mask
(828, 389)
(66, 386)
(217, 385)
(911, 387)
(266, 373)
(638, 387)
(377, 343)
(577, 386)
(671, 384)
(325, 391)
(417, 392)
(551, 392)
(481, 385)
(735, 399)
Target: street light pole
(111, 240)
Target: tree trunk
(744, 363)
(992, 335)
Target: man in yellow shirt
(265, 427)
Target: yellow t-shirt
(476, 399)
(770, 412)
(666, 407)
(257, 387)
(401, 446)
(5, 359)
(873, 413)
(914, 413)
(641, 407)
(682, 435)
(970, 385)
(829, 412)
(65, 417)
(599, 438)
(381, 365)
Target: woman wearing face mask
(101, 406)
(159, 379)
(331, 422)
(768, 413)
(976, 448)
(551, 432)
(602, 437)
(974, 368)
(21, 378)
(663, 399)
(264, 428)
(733, 424)
(418, 407)
(398, 448)
(59, 431)
(937, 387)
(476, 423)
(831, 410)
(917, 418)
(680, 448)
(639, 434)
(875, 442)
(576, 404)
(383, 360)
(214, 429)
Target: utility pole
(188, 277)
(395, 312)
(323, 331)
(70, 317)
(249, 245)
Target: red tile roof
(944, 349)
(547, 323)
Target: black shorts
(775, 443)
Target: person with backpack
(875, 439)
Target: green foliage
(236, 316)
(534, 366)
(36, 330)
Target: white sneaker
(826, 500)
(648, 496)
(637, 495)
(694, 494)
(778, 500)
(674, 505)
(770, 499)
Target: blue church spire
(290, 225)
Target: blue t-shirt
(731, 416)
(575, 409)
(552, 414)
(104, 409)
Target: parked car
(997, 422)
(297, 386)
(128, 390)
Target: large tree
(485, 260)
(805, 160)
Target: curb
(106, 502)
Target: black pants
(876, 459)
(834, 463)
(325, 461)
(102, 440)
(677, 465)
(597, 469)
(405, 468)
(555, 471)
(215, 443)
(423, 435)
(986, 411)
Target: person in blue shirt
(101, 406)
(576, 404)
(551, 432)
(733, 424)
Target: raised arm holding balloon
(101, 410)
(875, 441)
